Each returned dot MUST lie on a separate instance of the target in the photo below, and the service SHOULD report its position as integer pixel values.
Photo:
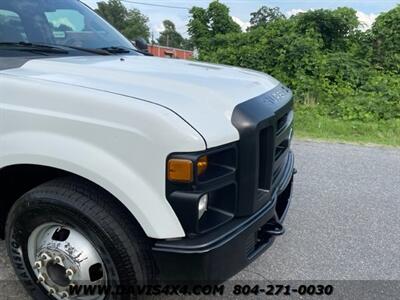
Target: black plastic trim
(221, 253)
(257, 121)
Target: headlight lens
(203, 204)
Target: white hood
(202, 94)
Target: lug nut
(38, 265)
(52, 291)
(45, 257)
(41, 278)
(69, 273)
(64, 295)
(58, 259)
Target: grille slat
(266, 153)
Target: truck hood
(204, 95)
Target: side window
(11, 28)
(65, 23)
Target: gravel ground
(343, 223)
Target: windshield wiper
(116, 50)
(90, 50)
(50, 48)
(63, 49)
(23, 46)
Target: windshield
(67, 23)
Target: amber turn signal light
(180, 170)
(202, 165)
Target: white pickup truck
(119, 168)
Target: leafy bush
(386, 39)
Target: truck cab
(121, 169)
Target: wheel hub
(61, 257)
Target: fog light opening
(203, 205)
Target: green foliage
(264, 16)
(198, 27)
(335, 70)
(136, 25)
(310, 123)
(334, 26)
(132, 23)
(377, 99)
(114, 12)
(219, 20)
(210, 23)
(170, 37)
(386, 37)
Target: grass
(309, 124)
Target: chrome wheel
(60, 257)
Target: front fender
(106, 171)
(119, 143)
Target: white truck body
(114, 120)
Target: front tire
(70, 232)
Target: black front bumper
(218, 255)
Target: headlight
(201, 187)
(203, 204)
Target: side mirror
(141, 44)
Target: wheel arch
(18, 179)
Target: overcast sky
(241, 9)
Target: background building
(169, 52)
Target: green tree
(206, 24)
(136, 25)
(132, 23)
(334, 26)
(219, 20)
(114, 12)
(169, 37)
(265, 15)
(198, 27)
(187, 44)
(386, 39)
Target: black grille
(282, 122)
(265, 125)
(274, 147)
